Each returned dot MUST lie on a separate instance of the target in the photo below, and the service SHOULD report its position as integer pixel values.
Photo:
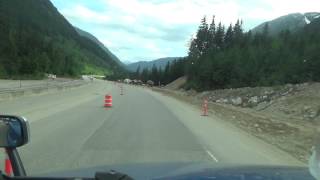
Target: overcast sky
(136, 30)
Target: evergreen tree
(166, 78)
(265, 31)
(228, 39)
(137, 73)
(194, 51)
(211, 34)
(154, 74)
(160, 76)
(202, 37)
(145, 75)
(220, 36)
(238, 32)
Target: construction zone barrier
(108, 101)
(205, 107)
(7, 165)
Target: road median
(16, 92)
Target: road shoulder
(224, 141)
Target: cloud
(82, 13)
(106, 42)
(291, 6)
(152, 31)
(270, 9)
(142, 29)
(177, 12)
(152, 47)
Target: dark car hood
(216, 171)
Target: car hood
(195, 171)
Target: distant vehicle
(150, 83)
(128, 81)
(137, 82)
(51, 76)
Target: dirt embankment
(285, 116)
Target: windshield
(110, 84)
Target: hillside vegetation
(222, 57)
(36, 39)
(232, 58)
(172, 70)
(159, 63)
(94, 39)
(293, 22)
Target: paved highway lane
(72, 129)
(138, 129)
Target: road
(71, 129)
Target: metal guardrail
(45, 85)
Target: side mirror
(14, 131)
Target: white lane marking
(211, 155)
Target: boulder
(253, 100)
(310, 113)
(222, 100)
(236, 101)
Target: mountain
(36, 39)
(292, 22)
(126, 62)
(94, 39)
(148, 64)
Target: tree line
(222, 57)
(158, 75)
(228, 57)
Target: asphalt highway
(71, 129)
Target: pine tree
(220, 35)
(154, 74)
(137, 73)
(145, 75)
(238, 32)
(228, 39)
(202, 36)
(194, 51)
(212, 33)
(166, 73)
(265, 31)
(160, 76)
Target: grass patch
(90, 69)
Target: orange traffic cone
(108, 101)
(205, 107)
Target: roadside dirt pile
(297, 102)
(176, 84)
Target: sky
(143, 30)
